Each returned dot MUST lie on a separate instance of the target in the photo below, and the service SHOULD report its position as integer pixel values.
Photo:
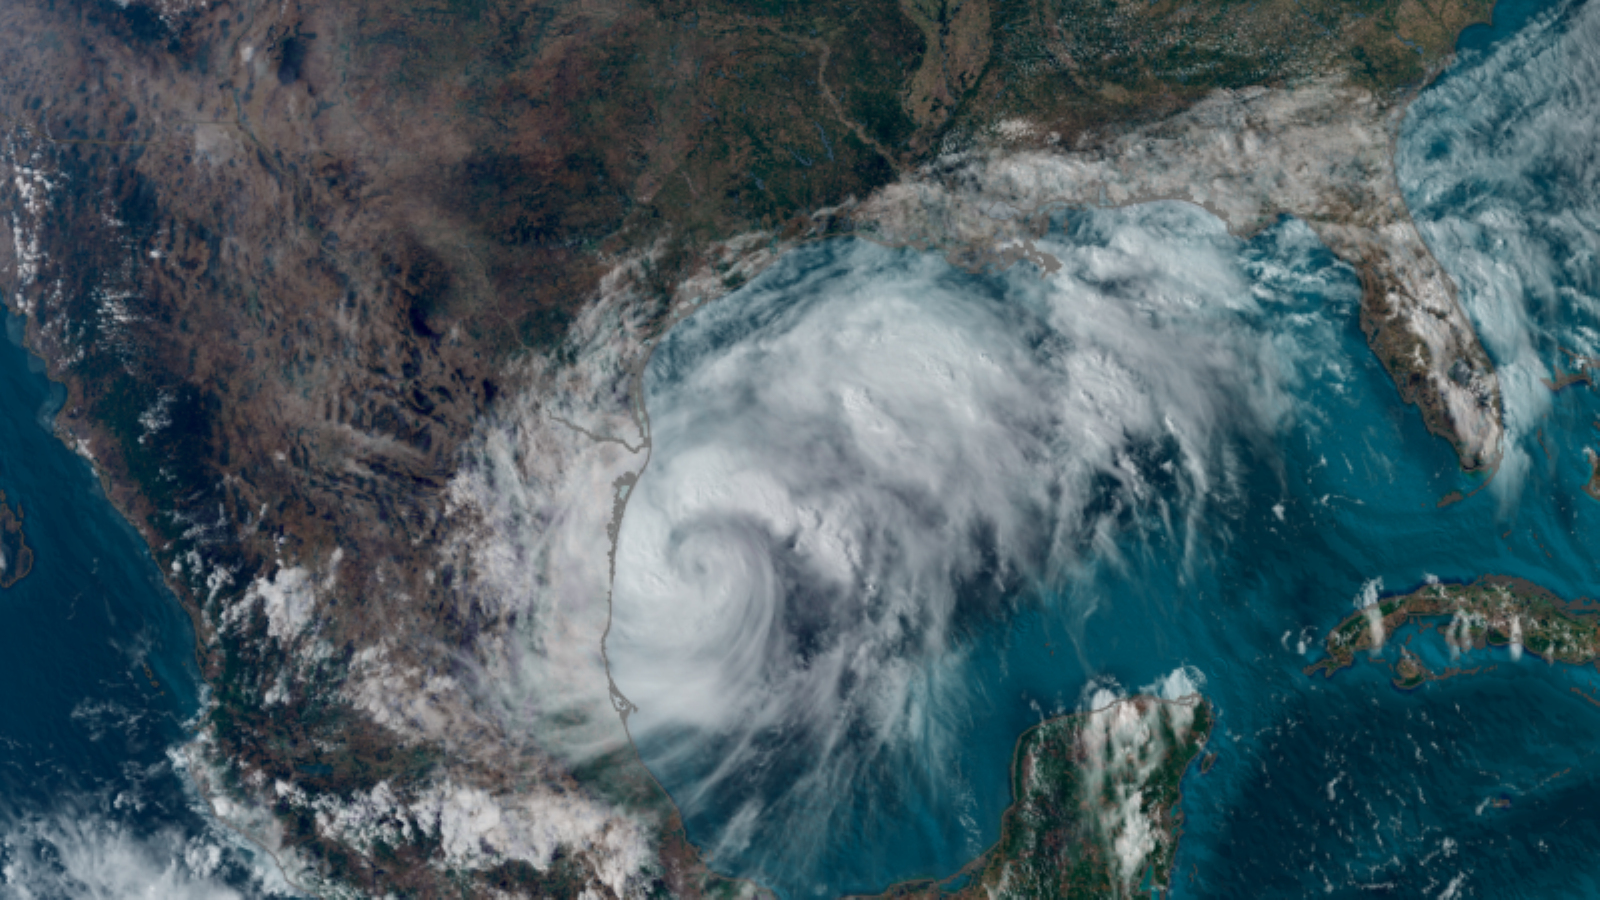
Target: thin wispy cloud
(88, 855)
(866, 457)
(1498, 162)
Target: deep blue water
(97, 680)
(1323, 787)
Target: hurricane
(867, 457)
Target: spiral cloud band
(865, 457)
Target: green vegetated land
(1080, 783)
(322, 261)
(597, 130)
(1093, 60)
(1492, 611)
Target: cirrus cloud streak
(866, 457)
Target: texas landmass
(351, 303)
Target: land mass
(1097, 806)
(1592, 485)
(1492, 611)
(16, 557)
(351, 303)
(1579, 374)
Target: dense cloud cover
(85, 854)
(866, 456)
(1500, 164)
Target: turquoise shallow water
(1323, 787)
(1312, 481)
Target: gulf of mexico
(1343, 786)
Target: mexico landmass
(352, 301)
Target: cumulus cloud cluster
(866, 457)
(477, 829)
(528, 560)
(542, 486)
(1123, 743)
(1321, 150)
(72, 854)
(1498, 165)
(288, 599)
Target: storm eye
(880, 461)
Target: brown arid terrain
(16, 557)
(351, 302)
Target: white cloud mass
(88, 856)
(867, 455)
(1499, 167)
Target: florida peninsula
(351, 304)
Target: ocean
(1212, 492)
(99, 685)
